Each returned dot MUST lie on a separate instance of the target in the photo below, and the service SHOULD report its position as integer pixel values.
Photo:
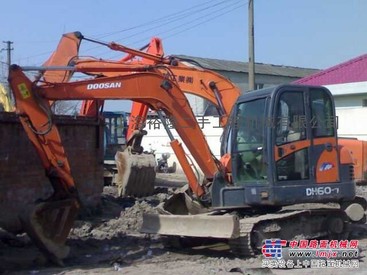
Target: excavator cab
(284, 150)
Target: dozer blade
(201, 225)
(48, 224)
(182, 215)
(136, 173)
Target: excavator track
(242, 246)
(288, 225)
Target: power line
(167, 20)
(203, 22)
(40, 54)
(177, 19)
(184, 17)
(217, 13)
(191, 11)
(190, 27)
(160, 19)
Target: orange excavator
(272, 157)
(146, 86)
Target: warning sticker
(24, 90)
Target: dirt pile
(119, 217)
(106, 235)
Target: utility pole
(8, 49)
(251, 48)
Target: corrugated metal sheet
(354, 70)
(242, 67)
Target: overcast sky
(303, 33)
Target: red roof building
(354, 70)
(348, 84)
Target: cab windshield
(248, 149)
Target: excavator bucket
(181, 203)
(136, 173)
(48, 224)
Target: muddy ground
(108, 241)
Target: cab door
(305, 150)
(292, 138)
(325, 157)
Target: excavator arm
(32, 105)
(49, 222)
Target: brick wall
(22, 177)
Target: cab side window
(323, 121)
(291, 118)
